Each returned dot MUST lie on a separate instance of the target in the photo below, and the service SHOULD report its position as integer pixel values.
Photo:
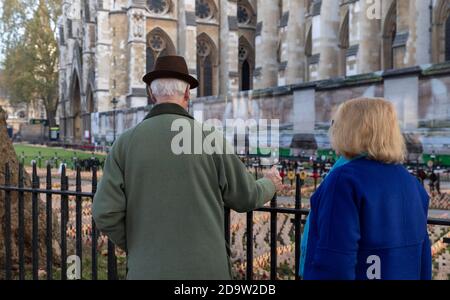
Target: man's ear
(152, 98)
(187, 94)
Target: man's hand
(274, 176)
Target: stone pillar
(229, 45)
(267, 44)
(136, 47)
(369, 53)
(88, 51)
(401, 58)
(62, 78)
(295, 71)
(103, 58)
(181, 37)
(88, 72)
(329, 39)
(187, 36)
(419, 41)
(224, 48)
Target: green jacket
(167, 210)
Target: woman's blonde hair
(368, 126)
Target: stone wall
(249, 44)
(421, 96)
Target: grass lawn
(31, 152)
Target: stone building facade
(233, 46)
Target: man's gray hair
(168, 87)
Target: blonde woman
(369, 217)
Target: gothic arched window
(245, 68)
(441, 31)
(245, 65)
(245, 76)
(344, 45)
(90, 101)
(204, 9)
(389, 35)
(243, 53)
(447, 40)
(205, 66)
(243, 15)
(207, 77)
(158, 44)
(158, 6)
(150, 62)
(308, 53)
(392, 57)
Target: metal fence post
(112, 261)
(297, 225)
(49, 220)
(273, 239)
(64, 219)
(8, 263)
(250, 240)
(35, 222)
(78, 219)
(21, 217)
(94, 232)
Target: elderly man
(166, 210)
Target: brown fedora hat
(171, 67)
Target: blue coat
(368, 221)
(304, 241)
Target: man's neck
(177, 102)
(168, 108)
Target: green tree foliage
(31, 52)
(13, 17)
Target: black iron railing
(112, 271)
(64, 194)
